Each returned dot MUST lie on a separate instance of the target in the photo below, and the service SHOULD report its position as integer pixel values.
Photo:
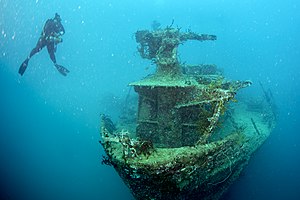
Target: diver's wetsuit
(50, 37)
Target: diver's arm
(60, 30)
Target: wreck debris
(269, 99)
(255, 127)
(161, 47)
(175, 152)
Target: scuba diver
(50, 37)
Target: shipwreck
(190, 137)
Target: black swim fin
(64, 71)
(23, 67)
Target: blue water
(50, 124)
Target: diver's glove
(58, 40)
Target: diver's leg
(40, 44)
(51, 50)
(38, 47)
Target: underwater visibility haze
(50, 124)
